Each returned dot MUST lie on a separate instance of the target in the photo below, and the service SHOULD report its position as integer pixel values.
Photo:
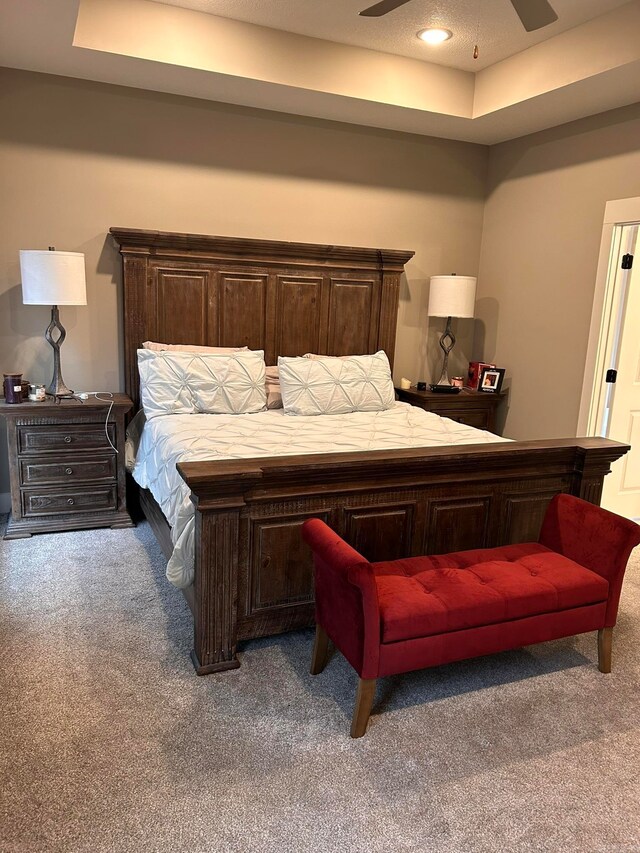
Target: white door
(621, 492)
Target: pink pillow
(156, 347)
(272, 383)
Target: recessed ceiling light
(435, 35)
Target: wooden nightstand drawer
(65, 475)
(71, 469)
(479, 420)
(53, 438)
(41, 502)
(472, 408)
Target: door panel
(621, 490)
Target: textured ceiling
(494, 22)
(583, 70)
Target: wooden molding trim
(231, 483)
(166, 243)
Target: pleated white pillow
(182, 383)
(334, 386)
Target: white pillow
(182, 383)
(334, 386)
(157, 347)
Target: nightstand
(64, 473)
(473, 408)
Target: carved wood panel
(242, 310)
(181, 298)
(388, 313)
(215, 592)
(299, 315)
(380, 533)
(522, 514)
(354, 316)
(591, 490)
(281, 565)
(457, 524)
(138, 319)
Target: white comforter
(169, 439)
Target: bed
(252, 576)
(171, 440)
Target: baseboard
(5, 502)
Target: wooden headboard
(284, 298)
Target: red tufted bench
(406, 614)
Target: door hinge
(611, 377)
(627, 262)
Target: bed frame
(253, 575)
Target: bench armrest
(593, 537)
(346, 597)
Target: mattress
(169, 439)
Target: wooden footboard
(253, 574)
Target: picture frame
(475, 369)
(491, 379)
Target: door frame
(605, 317)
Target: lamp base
(447, 343)
(57, 387)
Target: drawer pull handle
(71, 501)
(67, 439)
(68, 470)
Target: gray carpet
(109, 742)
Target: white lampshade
(52, 278)
(452, 296)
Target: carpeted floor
(109, 742)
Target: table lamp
(53, 278)
(451, 296)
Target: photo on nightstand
(491, 379)
(475, 371)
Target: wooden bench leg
(605, 636)
(320, 651)
(364, 701)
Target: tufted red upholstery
(399, 615)
(395, 616)
(422, 596)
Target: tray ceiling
(493, 22)
(318, 58)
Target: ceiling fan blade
(534, 14)
(382, 8)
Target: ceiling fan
(534, 14)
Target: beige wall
(542, 228)
(78, 157)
